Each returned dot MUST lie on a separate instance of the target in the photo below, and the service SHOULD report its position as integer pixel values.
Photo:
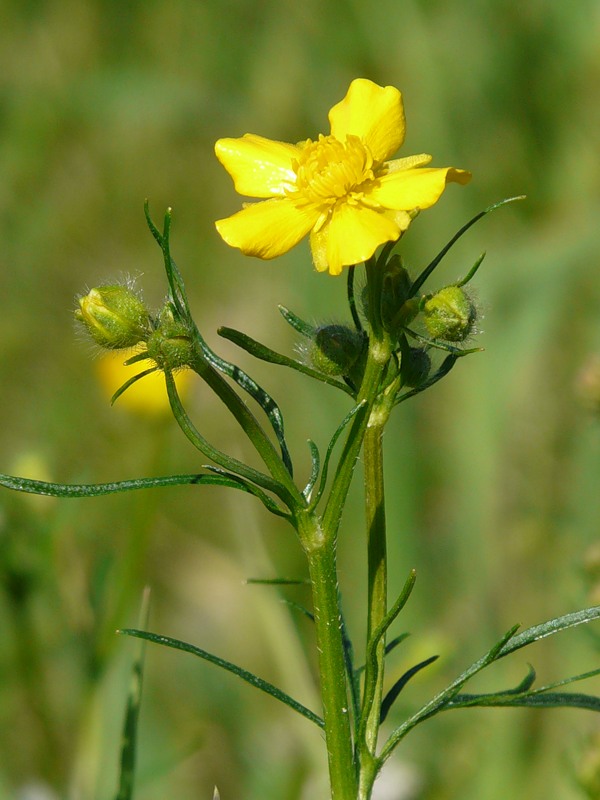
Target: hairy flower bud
(114, 316)
(449, 314)
(335, 349)
(170, 346)
(414, 366)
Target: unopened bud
(170, 346)
(114, 316)
(414, 366)
(450, 314)
(335, 349)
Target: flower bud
(170, 346)
(114, 316)
(449, 314)
(335, 349)
(415, 365)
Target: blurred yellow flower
(147, 396)
(340, 188)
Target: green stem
(321, 553)
(376, 596)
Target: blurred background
(492, 475)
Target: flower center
(329, 170)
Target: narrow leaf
(352, 299)
(264, 353)
(279, 581)
(228, 463)
(549, 628)
(361, 407)
(97, 489)
(246, 676)
(298, 324)
(315, 468)
(263, 398)
(546, 700)
(443, 370)
(235, 482)
(130, 382)
(429, 269)
(130, 727)
(393, 693)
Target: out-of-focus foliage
(492, 476)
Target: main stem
(321, 555)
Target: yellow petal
(259, 167)
(352, 235)
(266, 229)
(374, 113)
(408, 162)
(415, 188)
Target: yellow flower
(340, 188)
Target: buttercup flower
(341, 189)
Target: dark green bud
(335, 349)
(170, 346)
(450, 314)
(415, 365)
(114, 316)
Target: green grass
(492, 475)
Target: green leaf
(228, 463)
(533, 700)
(130, 727)
(263, 398)
(279, 581)
(298, 324)
(442, 371)
(235, 482)
(334, 439)
(429, 269)
(130, 382)
(246, 676)
(264, 353)
(394, 692)
(315, 468)
(352, 299)
(97, 489)
(549, 628)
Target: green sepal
(143, 356)
(392, 695)
(298, 324)
(246, 676)
(264, 353)
(129, 736)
